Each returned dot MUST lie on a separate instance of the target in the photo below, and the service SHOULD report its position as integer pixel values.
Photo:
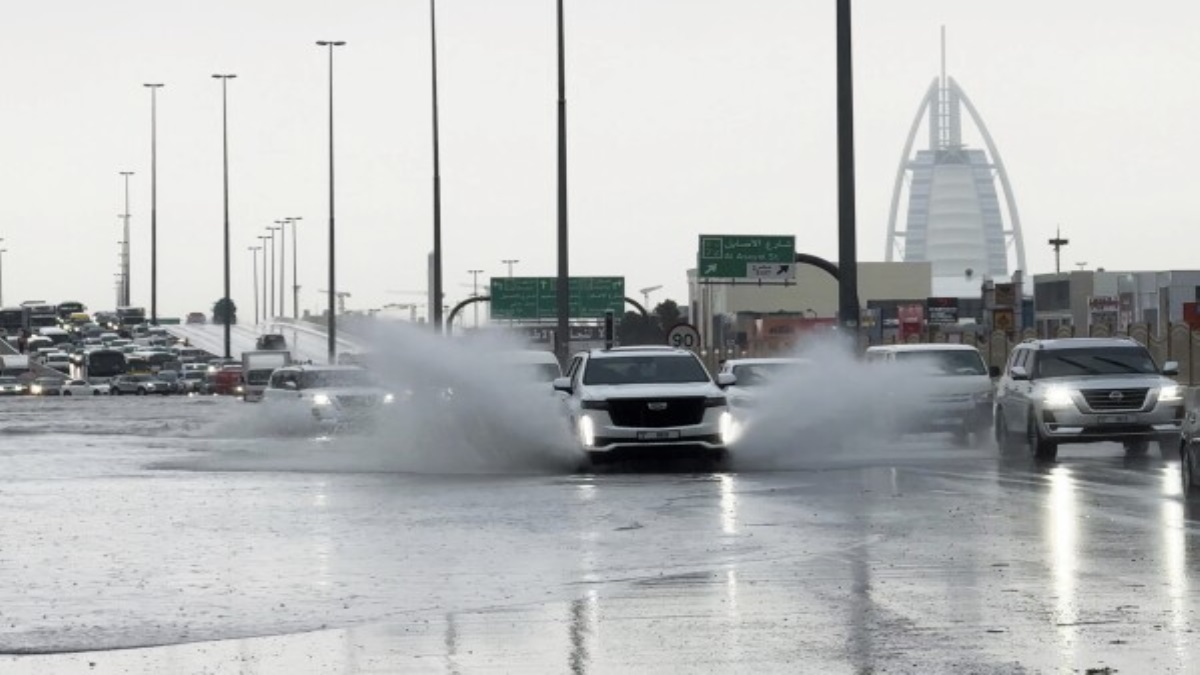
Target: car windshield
(946, 362)
(317, 379)
(1094, 361)
(657, 369)
(8, 380)
(758, 374)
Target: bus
(130, 316)
(69, 307)
(99, 365)
(12, 320)
(39, 315)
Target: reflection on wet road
(936, 559)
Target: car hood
(949, 385)
(1108, 382)
(610, 391)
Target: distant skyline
(704, 116)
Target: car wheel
(116, 391)
(66, 393)
(141, 391)
(95, 392)
(1138, 448)
(1041, 448)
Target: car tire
(65, 393)
(95, 392)
(1042, 450)
(1138, 448)
(116, 391)
(141, 391)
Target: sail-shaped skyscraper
(954, 219)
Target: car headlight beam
(1170, 393)
(321, 399)
(587, 431)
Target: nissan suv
(1086, 390)
(645, 401)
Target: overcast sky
(685, 117)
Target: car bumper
(711, 434)
(1072, 425)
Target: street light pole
(510, 264)
(262, 238)
(225, 166)
(282, 265)
(436, 310)
(332, 326)
(271, 295)
(153, 201)
(563, 337)
(295, 265)
(475, 292)
(2, 252)
(254, 252)
(849, 311)
(125, 262)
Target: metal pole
(562, 346)
(436, 310)
(254, 252)
(295, 264)
(332, 326)
(2, 252)
(262, 238)
(510, 264)
(125, 295)
(228, 301)
(282, 265)
(847, 249)
(271, 294)
(475, 292)
(153, 202)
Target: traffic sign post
(684, 336)
(761, 258)
(534, 298)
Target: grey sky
(685, 117)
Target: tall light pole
(271, 304)
(2, 252)
(436, 310)
(225, 166)
(475, 292)
(510, 264)
(254, 252)
(849, 311)
(153, 201)
(562, 342)
(332, 327)
(295, 264)
(282, 265)
(125, 253)
(262, 239)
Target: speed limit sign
(684, 336)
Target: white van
(957, 385)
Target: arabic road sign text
(766, 257)
(532, 298)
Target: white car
(755, 373)
(646, 402)
(332, 397)
(84, 388)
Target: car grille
(1115, 399)
(358, 402)
(638, 412)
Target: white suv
(645, 401)
(334, 397)
(1084, 390)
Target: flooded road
(172, 535)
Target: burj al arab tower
(954, 218)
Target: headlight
(587, 432)
(321, 399)
(389, 398)
(726, 427)
(1170, 393)
(37, 389)
(1058, 397)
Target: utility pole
(562, 343)
(510, 264)
(849, 311)
(153, 201)
(295, 266)
(331, 325)
(435, 312)
(254, 252)
(475, 292)
(125, 295)
(1057, 243)
(228, 301)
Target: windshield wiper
(1121, 364)
(1078, 364)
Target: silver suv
(1086, 390)
(645, 401)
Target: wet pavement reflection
(938, 560)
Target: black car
(271, 342)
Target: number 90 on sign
(684, 336)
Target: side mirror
(563, 384)
(726, 380)
(1019, 373)
(994, 372)
(1170, 368)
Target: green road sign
(759, 258)
(526, 298)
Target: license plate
(657, 435)
(1116, 419)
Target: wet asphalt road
(155, 536)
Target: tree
(667, 314)
(224, 308)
